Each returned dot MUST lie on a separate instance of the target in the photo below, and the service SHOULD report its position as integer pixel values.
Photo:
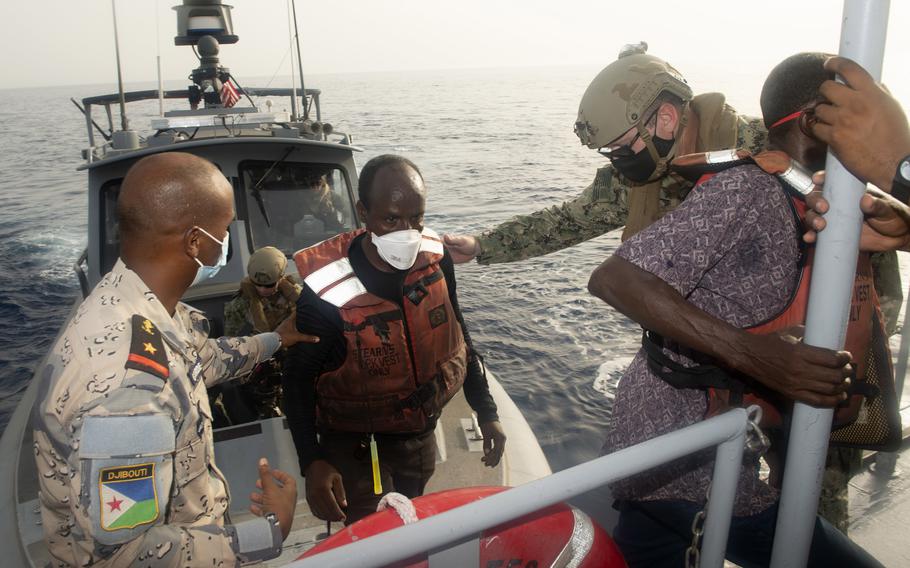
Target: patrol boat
(279, 163)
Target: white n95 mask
(399, 248)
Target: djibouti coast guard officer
(122, 425)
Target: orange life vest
(403, 363)
(865, 325)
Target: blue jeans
(656, 534)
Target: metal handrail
(80, 273)
(453, 529)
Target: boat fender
(558, 535)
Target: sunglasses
(625, 150)
(805, 118)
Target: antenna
(124, 124)
(306, 106)
(158, 50)
(294, 114)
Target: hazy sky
(71, 42)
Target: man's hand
(494, 442)
(277, 493)
(463, 248)
(324, 491)
(864, 125)
(287, 330)
(886, 225)
(800, 372)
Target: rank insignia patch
(147, 348)
(128, 496)
(438, 316)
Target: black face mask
(640, 166)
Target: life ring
(558, 535)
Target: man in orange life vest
(393, 350)
(726, 260)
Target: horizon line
(113, 80)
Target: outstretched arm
(599, 209)
(476, 387)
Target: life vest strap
(417, 291)
(684, 376)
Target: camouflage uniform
(123, 398)
(239, 320)
(262, 389)
(603, 205)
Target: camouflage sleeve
(232, 357)
(119, 482)
(601, 208)
(751, 134)
(169, 546)
(235, 316)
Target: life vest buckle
(417, 293)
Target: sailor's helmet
(620, 95)
(266, 266)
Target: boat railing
(111, 100)
(452, 538)
(80, 267)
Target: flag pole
(865, 23)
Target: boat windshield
(294, 205)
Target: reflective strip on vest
(431, 246)
(431, 242)
(328, 275)
(344, 292)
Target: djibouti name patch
(128, 496)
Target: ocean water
(491, 144)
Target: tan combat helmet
(619, 97)
(266, 266)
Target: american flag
(229, 95)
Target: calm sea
(491, 144)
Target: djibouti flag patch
(128, 496)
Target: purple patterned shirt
(732, 250)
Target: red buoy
(558, 533)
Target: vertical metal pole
(863, 40)
(88, 125)
(727, 465)
(124, 124)
(158, 49)
(160, 90)
(294, 113)
(306, 107)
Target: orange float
(558, 535)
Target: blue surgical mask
(205, 272)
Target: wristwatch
(900, 185)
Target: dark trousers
(406, 464)
(657, 533)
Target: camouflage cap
(618, 97)
(266, 266)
